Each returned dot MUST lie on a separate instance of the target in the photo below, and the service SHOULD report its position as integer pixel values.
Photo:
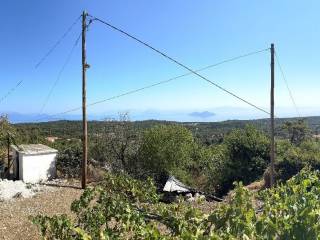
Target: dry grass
(14, 222)
(256, 186)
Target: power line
(60, 73)
(179, 63)
(11, 91)
(155, 84)
(57, 43)
(62, 69)
(42, 59)
(287, 84)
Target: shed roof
(34, 149)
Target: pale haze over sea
(195, 115)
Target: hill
(206, 131)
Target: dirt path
(14, 222)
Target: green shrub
(125, 208)
(69, 160)
(206, 167)
(166, 150)
(246, 157)
(292, 210)
(297, 131)
(292, 158)
(5, 129)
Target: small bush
(292, 158)
(69, 161)
(246, 157)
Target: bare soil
(14, 222)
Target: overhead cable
(287, 84)
(58, 42)
(11, 91)
(59, 74)
(152, 85)
(42, 59)
(179, 63)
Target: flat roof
(34, 149)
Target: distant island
(204, 114)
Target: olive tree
(165, 150)
(298, 131)
(117, 144)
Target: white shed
(34, 163)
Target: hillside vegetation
(210, 157)
(208, 132)
(207, 156)
(124, 208)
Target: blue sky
(197, 33)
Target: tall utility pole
(84, 103)
(272, 149)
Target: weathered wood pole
(272, 148)
(84, 103)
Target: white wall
(36, 168)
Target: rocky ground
(49, 199)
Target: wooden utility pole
(272, 149)
(84, 103)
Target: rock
(14, 189)
(17, 195)
(188, 195)
(199, 197)
(191, 199)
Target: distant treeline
(207, 132)
(206, 156)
